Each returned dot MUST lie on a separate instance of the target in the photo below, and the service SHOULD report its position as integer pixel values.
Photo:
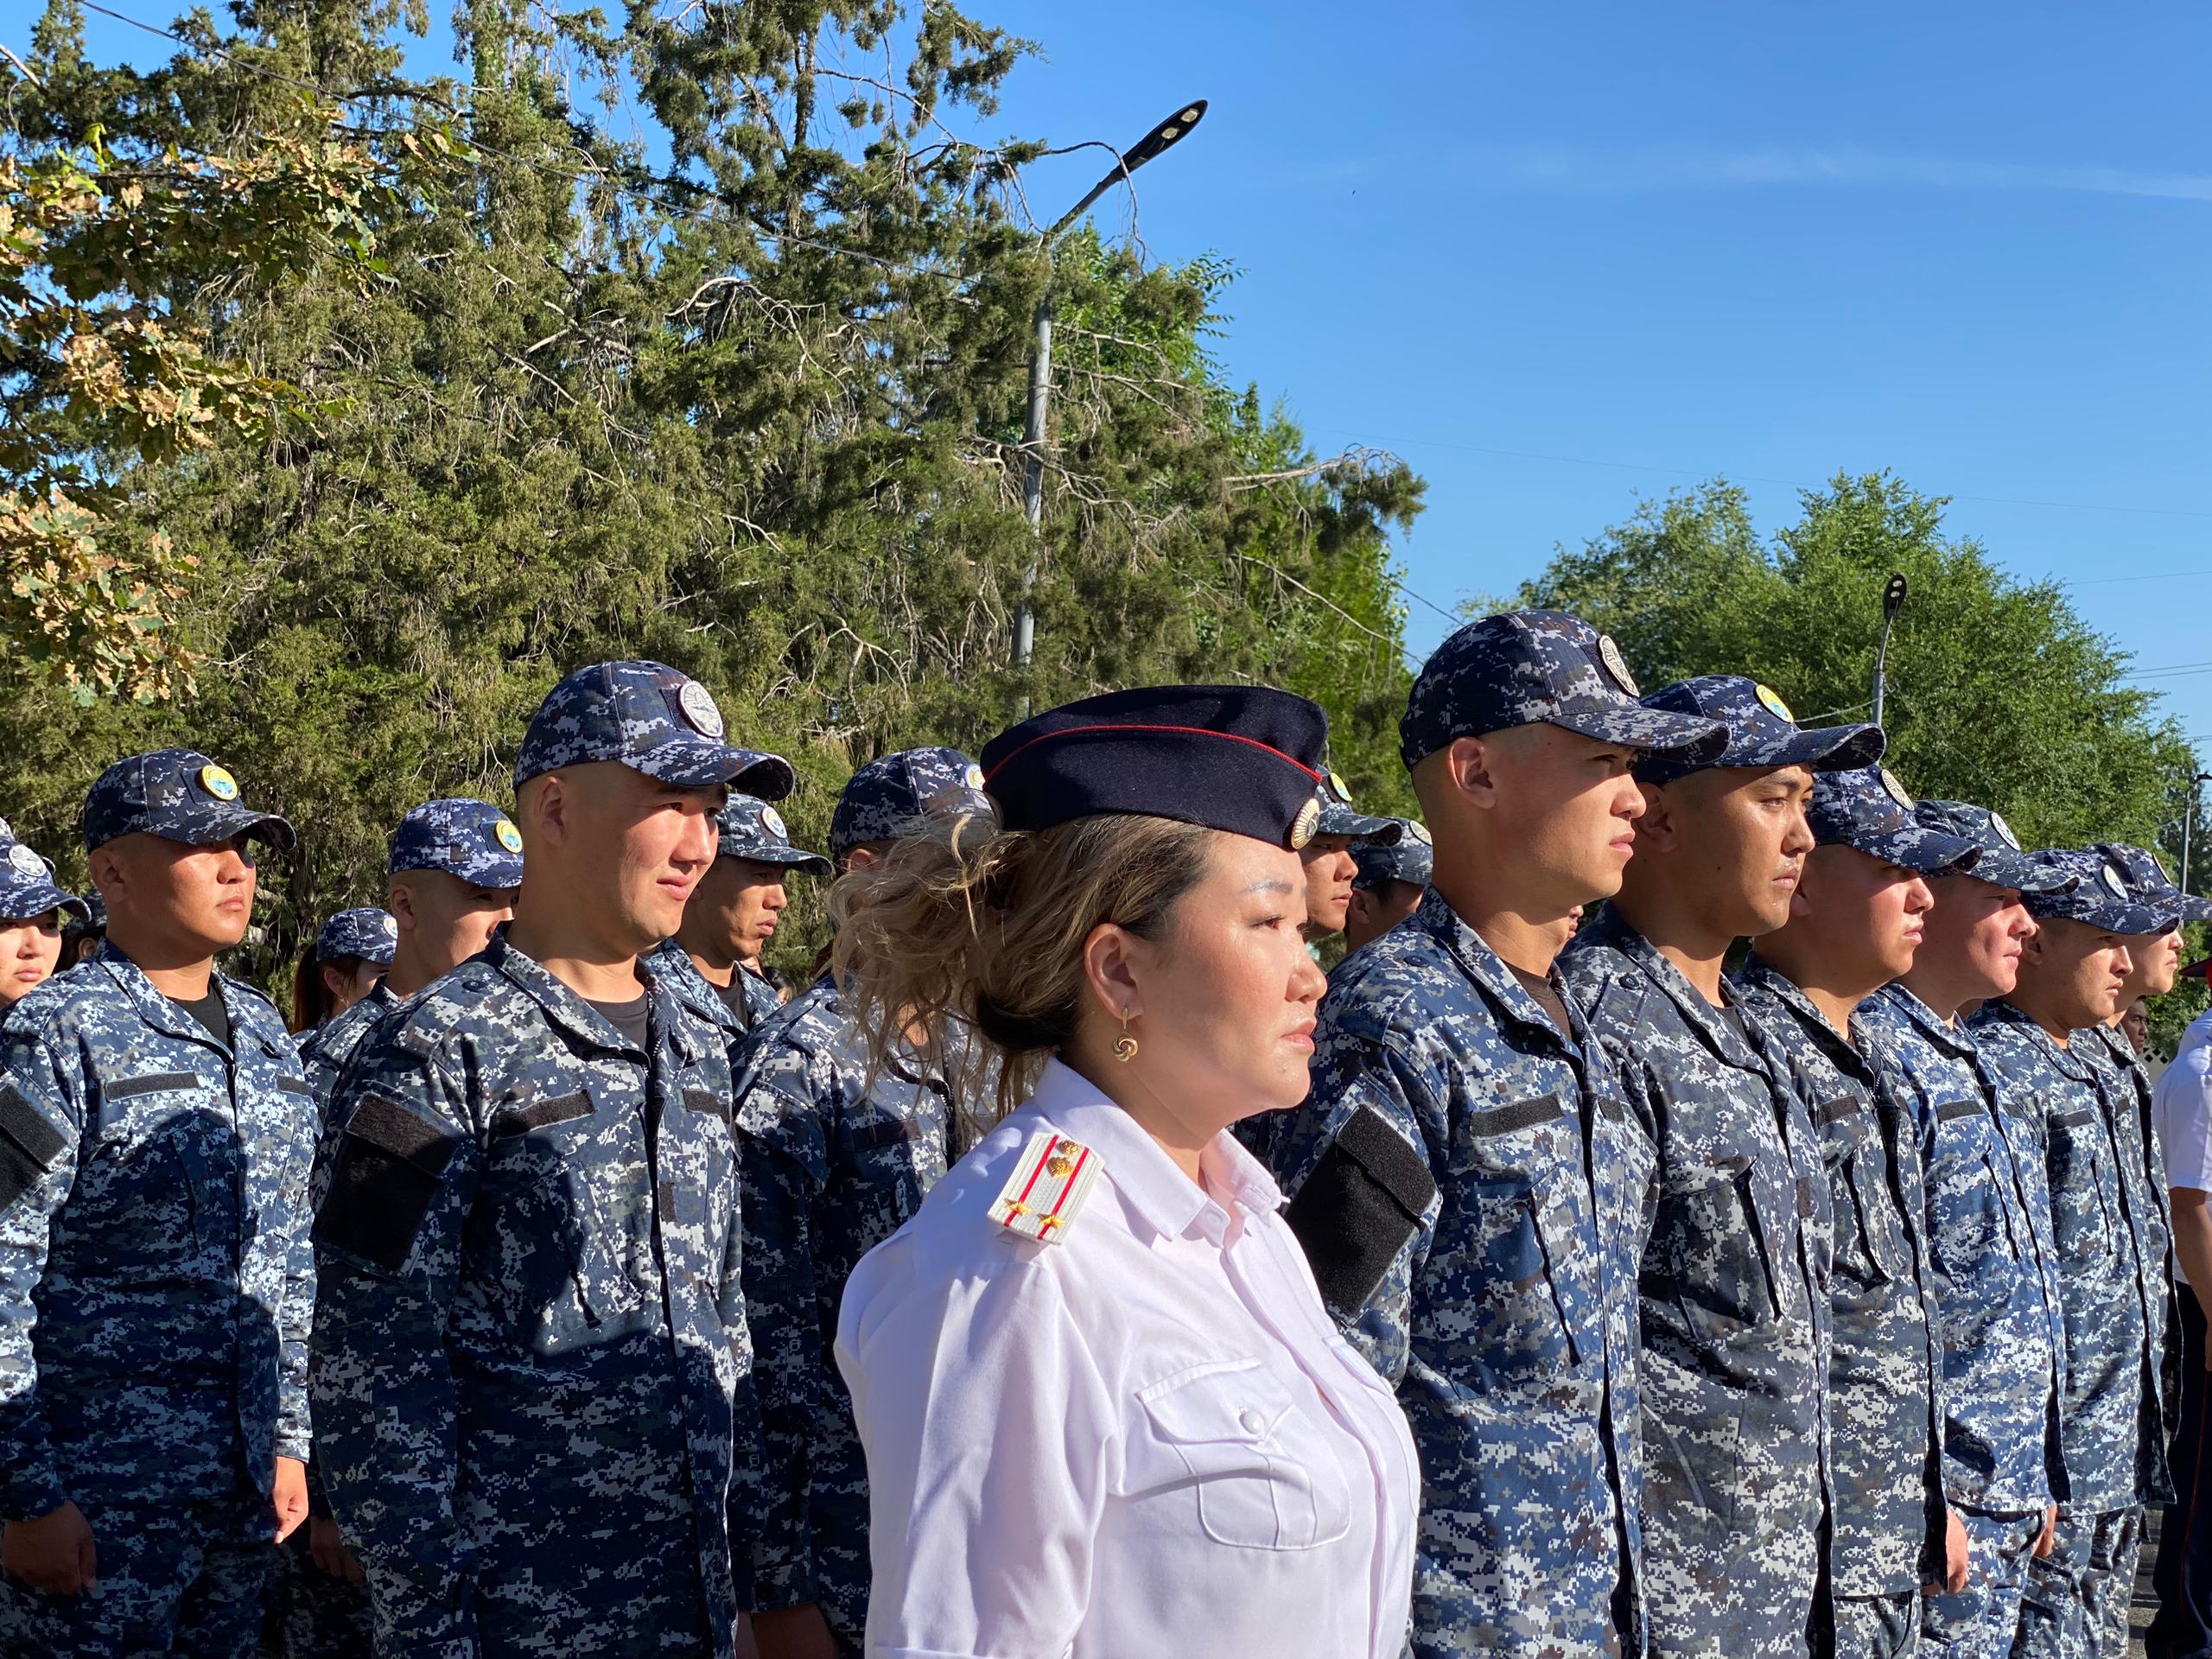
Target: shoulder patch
(1050, 1182)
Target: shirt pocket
(561, 1224)
(1717, 1258)
(1509, 1242)
(1227, 1438)
(2080, 1219)
(1972, 1234)
(147, 1191)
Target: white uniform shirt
(2181, 1110)
(1148, 1439)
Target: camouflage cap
(1519, 667)
(470, 839)
(1339, 818)
(1762, 732)
(907, 793)
(1410, 858)
(368, 933)
(95, 917)
(2149, 884)
(2002, 863)
(753, 829)
(28, 889)
(653, 719)
(177, 794)
(2099, 896)
(1868, 809)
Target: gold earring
(1125, 1047)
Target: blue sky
(1560, 256)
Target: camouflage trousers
(184, 1580)
(1877, 1627)
(1983, 1620)
(312, 1615)
(2075, 1605)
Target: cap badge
(1302, 826)
(26, 861)
(1896, 789)
(389, 926)
(974, 776)
(1049, 1184)
(698, 706)
(772, 822)
(2003, 831)
(2114, 885)
(1340, 789)
(507, 836)
(1418, 831)
(1616, 664)
(218, 783)
(1770, 700)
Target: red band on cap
(1184, 731)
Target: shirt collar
(1736, 1044)
(1436, 917)
(1162, 1196)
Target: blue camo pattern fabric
(156, 1279)
(26, 887)
(652, 718)
(326, 1051)
(1504, 1316)
(1733, 1304)
(2056, 1094)
(530, 1336)
(470, 839)
(1410, 859)
(177, 794)
(836, 1161)
(1992, 1263)
(669, 960)
(909, 792)
(1884, 1369)
(368, 933)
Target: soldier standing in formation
(347, 962)
(730, 919)
(35, 915)
(1329, 857)
(1391, 878)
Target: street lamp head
(1173, 131)
(1893, 597)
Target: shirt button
(1252, 1422)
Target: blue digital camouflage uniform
(531, 1333)
(156, 1289)
(1410, 859)
(366, 932)
(1477, 1161)
(754, 830)
(326, 1051)
(1734, 1306)
(1885, 1416)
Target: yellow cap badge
(772, 822)
(1340, 789)
(1302, 827)
(1418, 831)
(218, 783)
(507, 836)
(975, 776)
(1770, 700)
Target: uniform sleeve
(42, 1106)
(988, 1472)
(748, 1450)
(293, 1223)
(782, 1162)
(388, 1245)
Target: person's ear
(1111, 973)
(105, 867)
(546, 810)
(1469, 763)
(1656, 830)
(862, 858)
(336, 982)
(399, 899)
(1356, 912)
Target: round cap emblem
(26, 861)
(1896, 789)
(1418, 831)
(2004, 831)
(772, 822)
(2114, 885)
(1770, 700)
(974, 776)
(1302, 827)
(507, 836)
(698, 706)
(1616, 664)
(218, 783)
(1340, 789)
(389, 926)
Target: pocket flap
(1951, 1111)
(542, 1114)
(1521, 1115)
(1223, 1400)
(153, 1083)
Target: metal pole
(1892, 602)
(2188, 821)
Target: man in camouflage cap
(1734, 1277)
(155, 1282)
(1991, 1266)
(837, 1156)
(1463, 1169)
(530, 1354)
(1392, 877)
(2037, 1039)
(1338, 831)
(1854, 923)
(715, 959)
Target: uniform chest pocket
(1228, 1439)
(897, 1158)
(1971, 1226)
(161, 1174)
(573, 1211)
(1869, 1246)
(2081, 1221)
(1713, 1250)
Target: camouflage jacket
(1991, 1267)
(531, 1320)
(326, 1051)
(1734, 1302)
(156, 1279)
(1503, 1262)
(835, 1163)
(1884, 1366)
(2057, 1095)
(697, 993)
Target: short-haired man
(155, 1282)
(1466, 1182)
(1734, 1282)
(530, 1340)
(1392, 876)
(1992, 1266)
(715, 959)
(1854, 923)
(2071, 974)
(1339, 831)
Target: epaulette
(1050, 1181)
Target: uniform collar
(1436, 917)
(1953, 1038)
(570, 1012)
(1759, 976)
(157, 1010)
(2065, 1061)
(1162, 1195)
(1732, 1042)
(671, 964)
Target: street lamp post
(1165, 136)
(1893, 594)
(2188, 823)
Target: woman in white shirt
(1104, 1411)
